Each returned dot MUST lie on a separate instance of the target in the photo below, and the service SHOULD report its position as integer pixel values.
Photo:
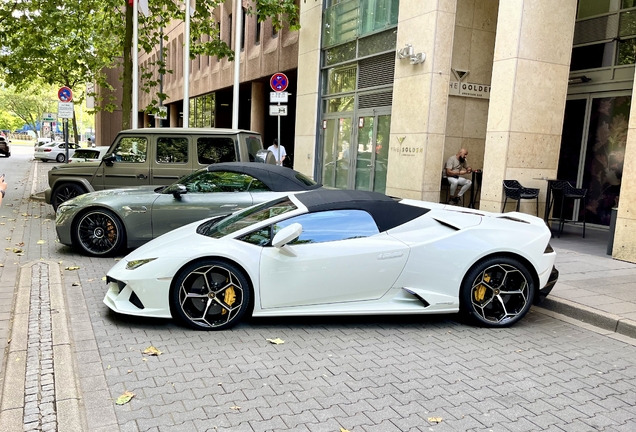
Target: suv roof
(181, 131)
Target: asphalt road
(359, 374)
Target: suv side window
(172, 150)
(253, 146)
(212, 150)
(131, 149)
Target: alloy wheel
(99, 233)
(500, 293)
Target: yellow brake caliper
(229, 298)
(480, 291)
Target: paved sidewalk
(593, 287)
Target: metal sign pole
(66, 138)
(279, 144)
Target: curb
(604, 320)
(13, 407)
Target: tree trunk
(75, 134)
(126, 99)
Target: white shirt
(274, 150)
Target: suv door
(172, 159)
(130, 167)
(215, 149)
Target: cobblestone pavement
(360, 374)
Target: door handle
(142, 176)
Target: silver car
(102, 223)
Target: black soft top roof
(277, 178)
(387, 212)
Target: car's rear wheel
(99, 232)
(61, 158)
(497, 292)
(210, 295)
(65, 192)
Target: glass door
(372, 152)
(336, 157)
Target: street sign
(65, 110)
(278, 97)
(48, 117)
(279, 82)
(278, 110)
(65, 94)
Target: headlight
(548, 249)
(135, 264)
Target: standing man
(455, 167)
(279, 152)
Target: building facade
(383, 92)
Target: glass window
(626, 52)
(592, 56)
(339, 104)
(341, 79)
(331, 226)
(588, 8)
(258, 186)
(260, 237)
(218, 181)
(86, 153)
(629, 4)
(257, 35)
(172, 150)
(246, 218)
(215, 149)
(377, 43)
(340, 54)
(306, 180)
(627, 24)
(131, 149)
(253, 146)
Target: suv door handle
(142, 176)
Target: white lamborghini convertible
(335, 252)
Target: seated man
(454, 168)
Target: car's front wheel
(497, 292)
(65, 192)
(99, 232)
(210, 295)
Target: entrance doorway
(593, 151)
(361, 166)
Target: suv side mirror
(109, 159)
(179, 190)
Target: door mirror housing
(287, 234)
(178, 190)
(109, 159)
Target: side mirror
(178, 190)
(287, 234)
(109, 159)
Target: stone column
(420, 99)
(173, 113)
(625, 234)
(531, 65)
(307, 90)
(258, 107)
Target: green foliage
(71, 42)
(28, 104)
(9, 121)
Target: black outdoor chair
(514, 191)
(570, 192)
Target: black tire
(65, 192)
(61, 158)
(497, 292)
(98, 232)
(219, 294)
(8, 154)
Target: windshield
(246, 218)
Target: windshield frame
(238, 216)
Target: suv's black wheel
(98, 232)
(65, 192)
(497, 292)
(61, 158)
(210, 295)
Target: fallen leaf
(435, 419)
(152, 351)
(276, 341)
(236, 408)
(75, 284)
(17, 250)
(344, 430)
(20, 254)
(104, 278)
(117, 259)
(9, 341)
(129, 370)
(41, 241)
(125, 398)
(36, 217)
(25, 214)
(90, 280)
(72, 268)
(8, 238)
(145, 359)
(108, 367)
(2, 223)
(20, 244)
(60, 262)
(1, 265)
